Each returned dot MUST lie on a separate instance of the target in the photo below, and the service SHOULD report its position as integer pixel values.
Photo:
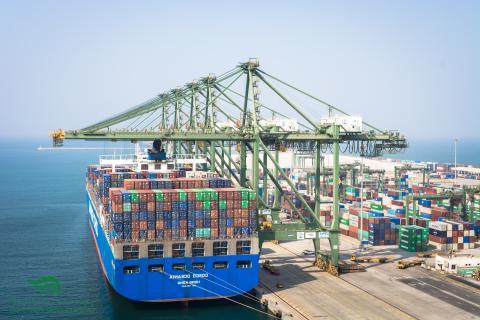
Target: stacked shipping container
(413, 238)
(381, 231)
(156, 206)
(451, 235)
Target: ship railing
(117, 157)
(188, 156)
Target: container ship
(170, 230)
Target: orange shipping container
(151, 235)
(159, 224)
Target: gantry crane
(470, 192)
(215, 114)
(456, 197)
(408, 167)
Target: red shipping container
(214, 232)
(244, 213)
(135, 236)
(214, 223)
(183, 233)
(135, 207)
(436, 239)
(150, 196)
(136, 225)
(167, 206)
(151, 206)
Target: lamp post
(361, 195)
(456, 140)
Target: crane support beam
(195, 135)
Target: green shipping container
(182, 195)
(413, 238)
(134, 196)
(206, 205)
(158, 195)
(202, 232)
(222, 204)
(467, 271)
(198, 194)
(376, 206)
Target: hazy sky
(409, 65)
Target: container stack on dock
(475, 208)
(381, 232)
(452, 235)
(413, 238)
(352, 193)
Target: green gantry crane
(408, 167)
(456, 197)
(470, 192)
(215, 115)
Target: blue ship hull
(171, 285)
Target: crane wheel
(333, 270)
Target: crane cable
(228, 298)
(315, 98)
(237, 302)
(235, 291)
(239, 291)
(254, 297)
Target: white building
(450, 263)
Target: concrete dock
(301, 291)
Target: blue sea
(443, 151)
(49, 267)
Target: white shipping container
(353, 223)
(438, 246)
(349, 123)
(288, 125)
(425, 209)
(345, 215)
(438, 225)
